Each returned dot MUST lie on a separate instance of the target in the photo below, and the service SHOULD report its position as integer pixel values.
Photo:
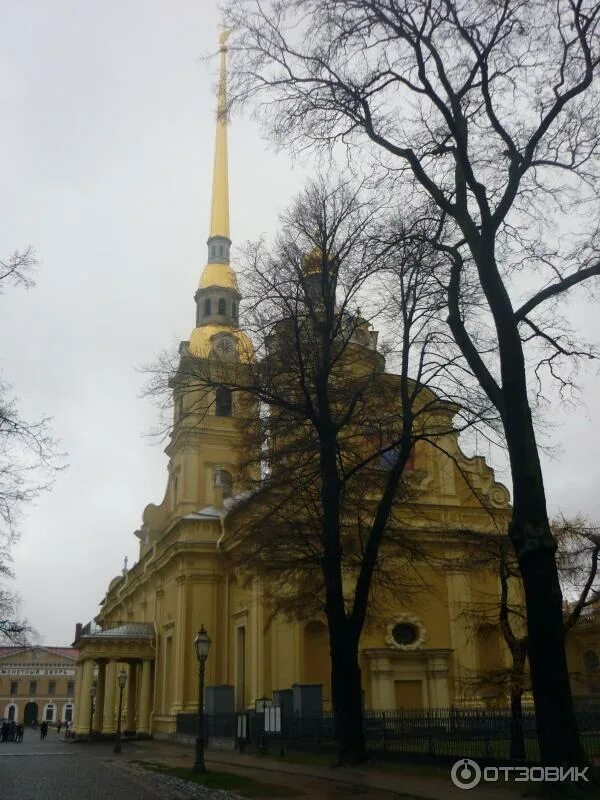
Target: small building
(37, 683)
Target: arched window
(49, 715)
(221, 305)
(234, 312)
(591, 661)
(12, 713)
(226, 483)
(68, 712)
(220, 249)
(223, 402)
(207, 307)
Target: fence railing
(476, 733)
(114, 629)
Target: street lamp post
(202, 645)
(92, 705)
(122, 681)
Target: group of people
(11, 731)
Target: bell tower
(218, 297)
(204, 450)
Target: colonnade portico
(103, 653)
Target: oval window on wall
(404, 633)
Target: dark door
(31, 713)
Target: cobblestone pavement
(68, 771)
(80, 771)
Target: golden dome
(218, 275)
(312, 262)
(201, 344)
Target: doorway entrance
(30, 714)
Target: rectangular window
(32, 688)
(70, 688)
(14, 687)
(51, 688)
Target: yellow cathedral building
(420, 655)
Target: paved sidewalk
(369, 782)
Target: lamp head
(202, 644)
(122, 679)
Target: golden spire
(219, 215)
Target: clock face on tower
(225, 347)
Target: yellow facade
(183, 577)
(37, 683)
(583, 654)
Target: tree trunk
(535, 549)
(346, 687)
(517, 736)
(346, 691)
(529, 529)
(555, 715)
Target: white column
(77, 697)
(100, 686)
(84, 706)
(131, 697)
(109, 717)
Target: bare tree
(18, 269)
(505, 613)
(490, 109)
(330, 436)
(28, 463)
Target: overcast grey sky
(107, 145)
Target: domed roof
(312, 262)
(201, 343)
(116, 580)
(218, 275)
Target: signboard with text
(34, 671)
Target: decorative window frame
(406, 619)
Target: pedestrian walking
(43, 730)
(20, 730)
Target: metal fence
(432, 734)
(116, 628)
